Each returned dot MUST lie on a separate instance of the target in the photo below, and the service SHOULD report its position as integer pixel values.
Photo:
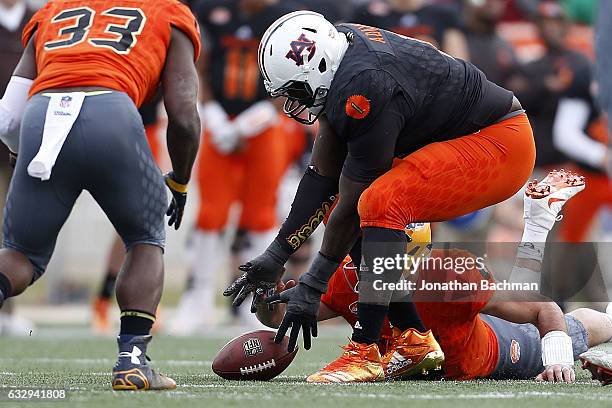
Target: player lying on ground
(483, 338)
(407, 134)
(86, 67)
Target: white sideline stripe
(47, 360)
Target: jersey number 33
(81, 20)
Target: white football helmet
(299, 55)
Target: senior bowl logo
(252, 347)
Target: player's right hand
(300, 314)
(260, 275)
(179, 199)
(557, 373)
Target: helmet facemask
(299, 98)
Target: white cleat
(599, 364)
(544, 199)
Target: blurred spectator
(603, 45)
(434, 23)
(14, 14)
(487, 50)
(333, 11)
(545, 79)
(582, 11)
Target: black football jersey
(393, 95)
(428, 23)
(231, 40)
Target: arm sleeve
(181, 17)
(569, 135)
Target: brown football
(253, 357)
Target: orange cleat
(412, 353)
(358, 363)
(100, 321)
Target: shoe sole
(433, 361)
(599, 373)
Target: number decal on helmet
(298, 47)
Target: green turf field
(82, 364)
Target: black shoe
(132, 373)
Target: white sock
(534, 233)
(205, 259)
(533, 242)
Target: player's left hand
(301, 313)
(179, 199)
(557, 373)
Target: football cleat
(544, 199)
(100, 322)
(132, 373)
(412, 354)
(358, 363)
(599, 364)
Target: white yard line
(85, 361)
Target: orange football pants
(580, 211)
(251, 176)
(445, 180)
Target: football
(253, 356)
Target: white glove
(256, 119)
(224, 135)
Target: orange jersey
(470, 346)
(116, 44)
(342, 297)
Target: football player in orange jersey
(241, 159)
(480, 337)
(86, 68)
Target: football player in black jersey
(407, 134)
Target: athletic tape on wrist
(557, 349)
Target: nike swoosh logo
(555, 200)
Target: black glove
(260, 275)
(12, 159)
(302, 311)
(179, 199)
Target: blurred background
(555, 55)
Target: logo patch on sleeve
(358, 107)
